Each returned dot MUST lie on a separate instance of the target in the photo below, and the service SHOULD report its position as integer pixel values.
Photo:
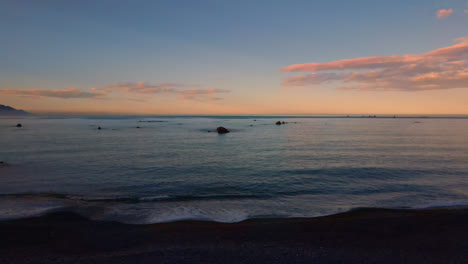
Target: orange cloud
(443, 13)
(442, 68)
(57, 93)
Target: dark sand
(361, 236)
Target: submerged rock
(19, 125)
(99, 128)
(222, 130)
(278, 122)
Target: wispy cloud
(443, 13)
(442, 68)
(144, 87)
(184, 91)
(66, 93)
(208, 93)
(180, 89)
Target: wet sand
(359, 236)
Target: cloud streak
(443, 13)
(180, 89)
(183, 91)
(144, 87)
(443, 68)
(66, 93)
(209, 93)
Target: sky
(241, 57)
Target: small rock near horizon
(222, 130)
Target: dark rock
(99, 128)
(222, 130)
(278, 122)
(283, 122)
(251, 125)
(138, 127)
(19, 125)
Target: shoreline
(366, 235)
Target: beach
(358, 236)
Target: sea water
(149, 169)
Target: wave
(166, 208)
(220, 215)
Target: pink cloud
(167, 88)
(66, 93)
(144, 87)
(208, 93)
(134, 88)
(442, 68)
(443, 13)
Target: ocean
(171, 168)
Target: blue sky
(238, 46)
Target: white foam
(151, 214)
(14, 209)
(437, 204)
(154, 198)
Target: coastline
(367, 235)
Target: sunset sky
(235, 57)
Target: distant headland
(10, 111)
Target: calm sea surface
(173, 168)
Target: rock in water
(222, 130)
(278, 123)
(19, 125)
(99, 128)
